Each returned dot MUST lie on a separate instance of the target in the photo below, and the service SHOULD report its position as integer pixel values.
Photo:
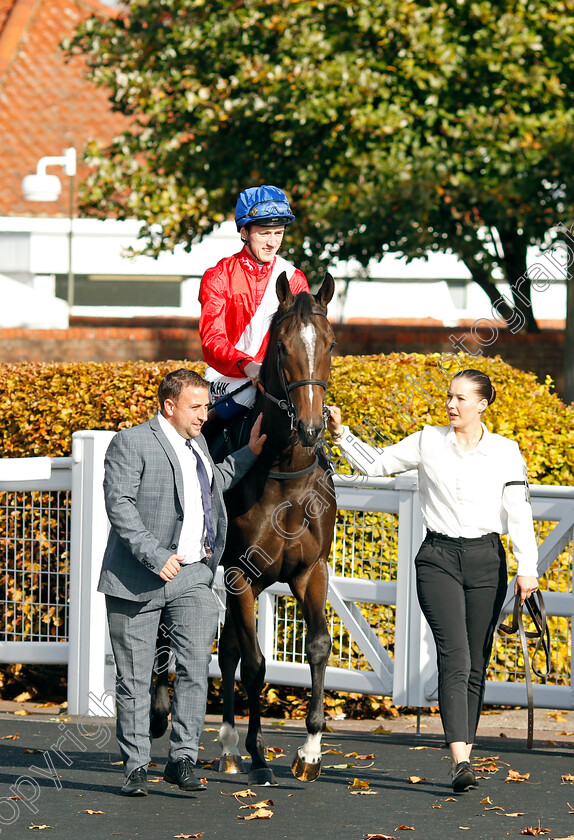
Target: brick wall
(160, 339)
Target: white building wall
(33, 250)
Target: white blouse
(463, 493)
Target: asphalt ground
(69, 788)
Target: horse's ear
(284, 292)
(326, 291)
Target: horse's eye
(332, 345)
(281, 347)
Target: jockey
(238, 299)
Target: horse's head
(299, 356)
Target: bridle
(286, 403)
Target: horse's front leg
(160, 699)
(228, 654)
(252, 678)
(311, 592)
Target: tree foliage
(394, 125)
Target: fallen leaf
(485, 759)
(282, 723)
(486, 801)
(568, 734)
(188, 836)
(24, 712)
(489, 768)
(464, 827)
(115, 763)
(451, 799)
(21, 698)
(338, 766)
(336, 752)
(26, 750)
(557, 716)
(260, 814)
(405, 828)
(211, 729)
(90, 811)
(358, 784)
(437, 806)
(203, 781)
(152, 764)
(535, 832)
(515, 776)
(497, 808)
(261, 804)
(155, 780)
(517, 814)
(424, 748)
(415, 780)
(364, 792)
(380, 730)
(567, 778)
(9, 737)
(40, 826)
(246, 792)
(379, 837)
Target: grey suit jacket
(143, 489)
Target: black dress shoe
(181, 773)
(136, 783)
(463, 777)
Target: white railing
(373, 573)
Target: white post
(90, 665)
(415, 656)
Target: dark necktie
(205, 496)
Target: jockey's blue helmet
(265, 205)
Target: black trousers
(461, 585)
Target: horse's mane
(302, 309)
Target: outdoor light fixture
(44, 187)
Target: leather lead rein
(537, 613)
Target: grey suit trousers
(190, 614)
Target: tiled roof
(46, 105)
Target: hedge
(43, 404)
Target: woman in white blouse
(473, 487)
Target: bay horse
(281, 518)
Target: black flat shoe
(181, 773)
(463, 777)
(136, 783)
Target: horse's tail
(160, 700)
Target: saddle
(225, 436)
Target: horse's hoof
(262, 776)
(305, 771)
(231, 764)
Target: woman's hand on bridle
(334, 420)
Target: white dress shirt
(192, 537)
(463, 493)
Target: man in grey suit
(165, 542)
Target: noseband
(286, 404)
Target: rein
(542, 635)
